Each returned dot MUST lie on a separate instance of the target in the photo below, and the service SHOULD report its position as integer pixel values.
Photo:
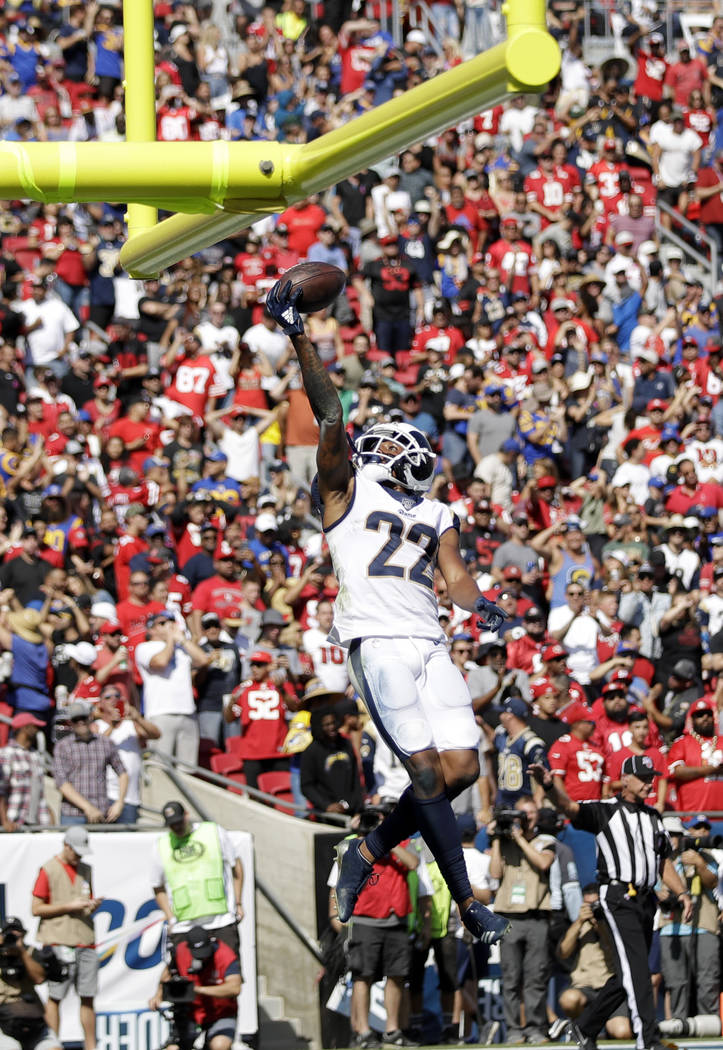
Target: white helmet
(412, 468)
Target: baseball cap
(684, 669)
(656, 403)
(624, 237)
(25, 718)
(656, 38)
(156, 617)
(640, 766)
(553, 652)
(701, 821)
(546, 482)
(673, 825)
(515, 705)
(111, 627)
(533, 613)
(173, 813)
(540, 686)
(77, 838)
(265, 523)
(613, 687)
(200, 942)
(260, 656)
(699, 706)
(83, 652)
(512, 572)
(576, 713)
(466, 824)
(210, 619)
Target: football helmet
(412, 468)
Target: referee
(633, 849)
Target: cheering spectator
(165, 661)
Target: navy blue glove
(281, 304)
(491, 617)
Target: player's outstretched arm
(332, 456)
(462, 588)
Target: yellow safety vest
(193, 872)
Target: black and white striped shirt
(631, 840)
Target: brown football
(320, 284)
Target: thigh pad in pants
(415, 695)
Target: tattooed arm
(332, 455)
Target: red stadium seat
(276, 783)
(233, 746)
(225, 764)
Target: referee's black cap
(640, 766)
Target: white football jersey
(384, 551)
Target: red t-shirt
(41, 889)
(304, 225)
(707, 494)
(711, 210)
(580, 765)
(218, 595)
(128, 430)
(263, 720)
(127, 547)
(705, 793)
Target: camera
(597, 910)
(180, 992)
(370, 816)
(505, 820)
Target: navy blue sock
(438, 826)
(399, 825)
(434, 818)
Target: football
(320, 284)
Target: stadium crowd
(163, 576)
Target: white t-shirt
(272, 344)
(677, 152)
(580, 641)
(637, 476)
(125, 738)
(46, 342)
(214, 922)
(243, 452)
(166, 692)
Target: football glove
(491, 617)
(281, 304)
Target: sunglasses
(575, 594)
(80, 718)
(465, 649)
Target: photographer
(22, 1016)
(378, 944)
(689, 950)
(213, 971)
(521, 859)
(587, 944)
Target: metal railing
(710, 264)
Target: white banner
(128, 928)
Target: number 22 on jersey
(400, 533)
